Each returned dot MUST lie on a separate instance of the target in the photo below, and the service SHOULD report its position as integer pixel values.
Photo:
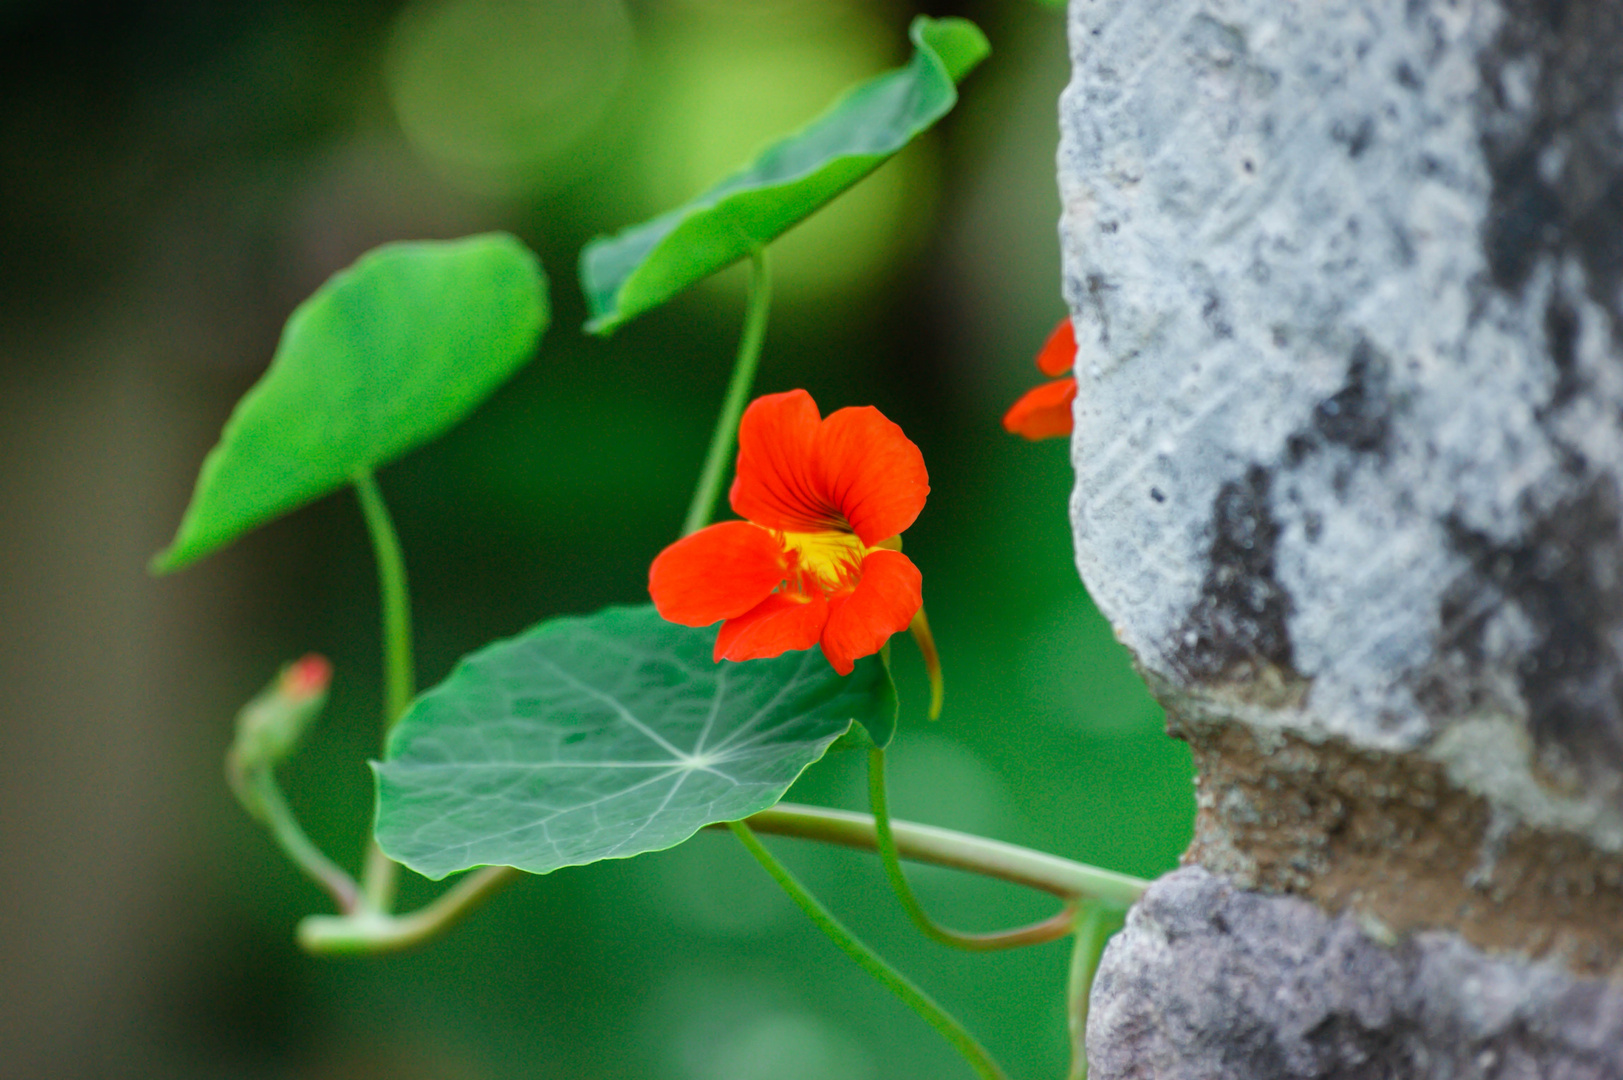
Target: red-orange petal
(872, 473)
(716, 573)
(883, 603)
(774, 486)
(1044, 412)
(1058, 354)
(782, 622)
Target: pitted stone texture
(1347, 280)
(1210, 983)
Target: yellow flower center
(827, 560)
(831, 560)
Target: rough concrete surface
(1282, 990)
(1347, 280)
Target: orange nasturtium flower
(818, 560)
(1045, 412)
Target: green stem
(399, 675)
(258, 793)
(703, 506)
(919, 843)
(1094, 925)
(962, 851)
(375, 932)
(1050, 929)
(869, 961)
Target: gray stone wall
(1347, 280)
(1209, 981)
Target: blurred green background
(174, 177)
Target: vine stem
(258, 793)
(399, 667)
(708, 491)
(962, 851)
(893, 980)
(1094, 925)
(1053, 928)
(370, 932)
(378, 932)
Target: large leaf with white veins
(605, 737)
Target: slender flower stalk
(1050, 929)
(893, 980)
(258, 791)
(268, 731)
(920, 628)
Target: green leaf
(386, 356)
(604, 737)
(646, 265)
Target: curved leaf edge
(953, 46)
(184, 550)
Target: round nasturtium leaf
(604, 737)
(644, 266)
(386, 356)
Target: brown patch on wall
(1389, 838)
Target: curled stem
(1053, 928)
(920, 628)
(399, 667)
(369, 931)
(703, 506)
(893, 980)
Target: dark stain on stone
(1552, 87)
(1403, 244)
(1523, 221)
(1237, 630)
(1096, 289)
(1298, 447)
(1355, 138)
(1561, 338)
(1407, 77)
(1564, 575)
(1212, 313)
(1358, 415)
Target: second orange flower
(1045, 411)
